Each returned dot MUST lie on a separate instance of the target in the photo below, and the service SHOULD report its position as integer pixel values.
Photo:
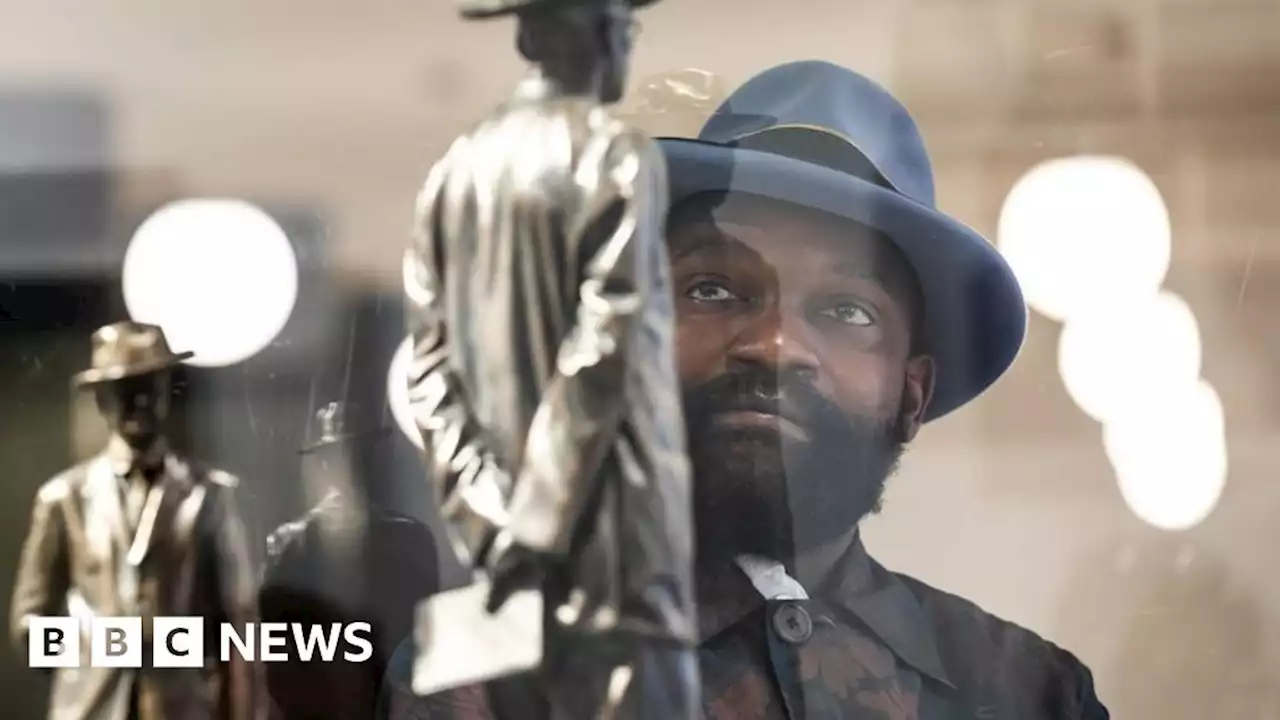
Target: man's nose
(776, 339)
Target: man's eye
(707, 291)
(850, 314)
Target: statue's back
(518, 188)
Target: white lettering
(244, 644)
(307, 646)
(352, 638)
(179, 642)
(274, 635)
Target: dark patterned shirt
(872, 645)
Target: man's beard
(759, 492)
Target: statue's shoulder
(64, 484)
(286, 536)
(223, 479)
(200, 473)
(630, 134)
(627, 140)
(633, 157)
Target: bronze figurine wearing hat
(543, 380)
(138, 531)
(350, 558)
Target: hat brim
(975, 316)
(377, 434)
(112, 373)
(485, 9)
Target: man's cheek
(700, 356)
(864, 387)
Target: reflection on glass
(219, 275)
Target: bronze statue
(138, 530)
(543, 378)
(351, 558)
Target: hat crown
(816, 97)
(332, 419)
(130, 344)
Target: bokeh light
(220, 276)
(1170, 456)
(398, 392)
(1084, 233)
(1129, 354)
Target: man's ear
(917, 392)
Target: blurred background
(1113, 492)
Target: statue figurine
(351, 558)
(543, 378)
(139, 531)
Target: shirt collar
(856, 583)
(887, 606)
(125, 460)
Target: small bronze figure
(543, 378)
(349, 559)
(139, 530)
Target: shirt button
(793, 624)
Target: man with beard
(826, 311)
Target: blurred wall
(42, 343)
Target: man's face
(800, 389)
(135, 408)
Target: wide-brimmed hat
(128, 349)
(821, 136)
(481, 9)
(339, 422)
(348, 400)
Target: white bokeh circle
(220, 276)
(1084, 232)
(1129, 354)
(398, 392)
(1170, 457)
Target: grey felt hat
(821, 136)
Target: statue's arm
(44, 573)
(471, 489)
(584, 403)
(244, 689)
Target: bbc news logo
(179, 642)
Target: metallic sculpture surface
(544, 381)
(139, 530)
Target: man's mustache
(784, 395)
